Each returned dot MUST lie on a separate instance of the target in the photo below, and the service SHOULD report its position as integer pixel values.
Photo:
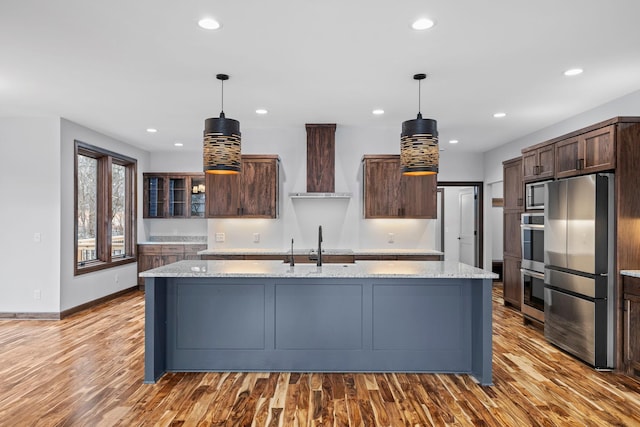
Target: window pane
(118, 209)
(87, 208)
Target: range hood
(321, 153)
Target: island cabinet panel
(389, 194)
(538, 162)
(251, 194)
(631, 325)
(512, 185)
(590, 152)
(318, 324)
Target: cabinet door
(381, 188)
(197, 197)
(222, 195)
(176, 197)
(567, 155)
(632, 333)
(154, 197)
(259, 188)
(529, 165)
(512, 185)
(418, 196)
(511, 234)
(598, 152)
(546, 161)
(512, 288)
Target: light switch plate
(256, 237)
(219, 237)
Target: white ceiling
(122, 66)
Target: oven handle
(532, 273)
(532, 226)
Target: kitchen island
(371, 316)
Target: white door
(467, 237)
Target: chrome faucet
(319, 262)
(292, 262)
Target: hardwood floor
(87, 369)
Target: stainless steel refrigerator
(578, 256)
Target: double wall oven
(532, 271)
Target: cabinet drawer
(631, 285)
(149, 249)
(172, 249)
(192, 250)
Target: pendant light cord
(419, 95)
(222, 95)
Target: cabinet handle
(520, 200)
(238, 212)
(536, 170)
(627, 333)
(579, 164)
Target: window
(105, 211)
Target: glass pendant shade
(419, 152)
(221, 144)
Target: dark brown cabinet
(389, 194)
(512, 289)
(251, 194)
(157, 255)
(631, 324)
(512, 185)
(538, 162)
(174, 195)
(513, 207)
(590, 152)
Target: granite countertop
(248, 251)
(631, 273)
(361, 269)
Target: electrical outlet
(220, 237)
(390, 237)
(37, 237)
(116, 278)
(37, 294)
(256, 237)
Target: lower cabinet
(632, 325)
(512, 288)
(154, 256)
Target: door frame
(479, 215)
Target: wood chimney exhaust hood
(321, 153)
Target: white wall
(30, 192)
(628, 105)
(343, 225)
(77, 290)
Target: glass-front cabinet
(174, 195)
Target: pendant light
(221, 146)
(419, 154)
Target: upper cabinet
(389, 194)
(513, 187)
(251, 194)
(538, 162)
(173, 195)
(590, 152)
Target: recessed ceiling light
(152, 130)
(422, 24)
(573, 72)
(378, 112)
(261, 111)
(178, 144)
(499, 115)
(453, 141)
(209, 24)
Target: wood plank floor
(87, 370)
